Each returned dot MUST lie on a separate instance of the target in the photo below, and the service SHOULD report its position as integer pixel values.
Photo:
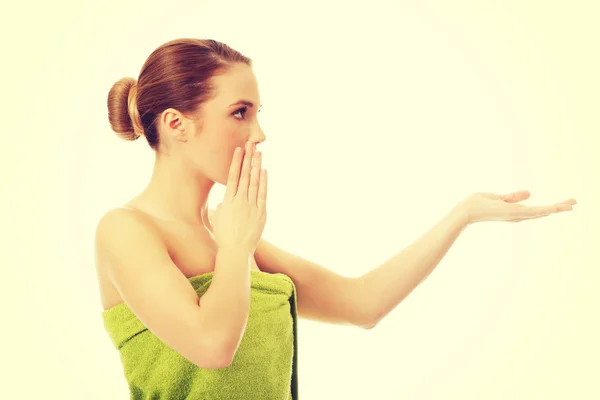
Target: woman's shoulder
(125, 222)
(122, 234)
(124, 216)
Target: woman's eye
(241, 110)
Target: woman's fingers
(234, 172)
(254, 178)
(245, 173)
(542, 211)
(261, 201)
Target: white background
(379, 117)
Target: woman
(197, 303)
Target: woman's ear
(174, 123)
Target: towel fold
(264, 367)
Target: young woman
(197, 303)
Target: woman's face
(227, 121)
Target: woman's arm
(137, 261)
(326, 296)
(384, 287)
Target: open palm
(484, 206)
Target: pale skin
(146, 250)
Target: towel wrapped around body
(264, 367)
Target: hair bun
(123, 114)
(132, 110)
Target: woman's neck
(177, 192)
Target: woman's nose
(259, 138)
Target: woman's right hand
(484, 206)
(240, 219)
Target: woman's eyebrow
(244, 102)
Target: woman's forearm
(384, 287)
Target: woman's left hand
(497, 207)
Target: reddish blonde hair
(178, 75)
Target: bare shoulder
(117, 219)
(124, 226)
(136, 269)
(120, 233)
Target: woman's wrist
(462, 209)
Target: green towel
(264, 367)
